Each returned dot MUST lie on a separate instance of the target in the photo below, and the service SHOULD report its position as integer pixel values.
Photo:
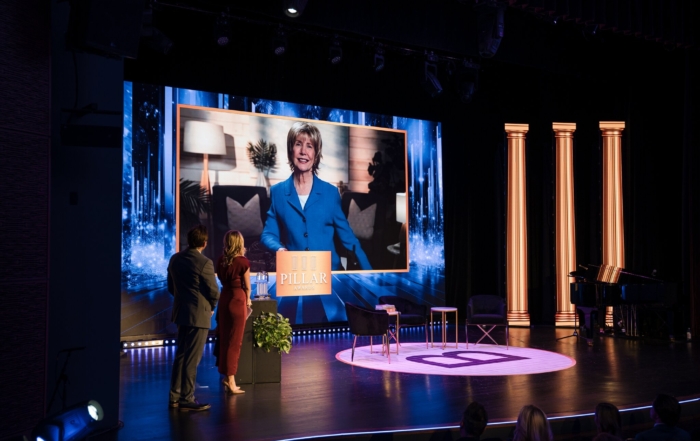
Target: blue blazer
(313, 227)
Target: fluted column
(565, 230)
(613, 222)
(516, 228)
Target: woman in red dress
(233, 270)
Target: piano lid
(606, 274)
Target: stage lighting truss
(431, 83)
(335, 52)
(222, 30)
(279, 43)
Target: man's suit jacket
(192, 282)
(662, 432)
(313, 227)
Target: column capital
(606, 126)
(516, 128)
(564, 127)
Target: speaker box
(105, 27)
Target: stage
(322, 395)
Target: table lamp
(205, 138)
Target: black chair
(368, 323)
(412, 314)
(486, 312)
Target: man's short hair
(474, 419)
(667, 409)
(197, 236)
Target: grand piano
(640, 300)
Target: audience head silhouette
(532, 425)
(474, 421)
(666, 409)
(608, 419)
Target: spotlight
(431, 84)
(294, 8)
(222, 30)
(279, 43)
(378, 59)
(71, 424)
(335, 52)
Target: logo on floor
(458, 359)
(481, 360)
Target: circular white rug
(483, 359)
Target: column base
(518, 319)
(565, 319)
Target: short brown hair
(197, 236)
(303, 128)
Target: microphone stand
(63, 379)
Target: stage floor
(320, 395)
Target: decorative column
(565, 230)
(516, 228)
(613, 222)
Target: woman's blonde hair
(303, 128)
(532, 425)
(233, 246)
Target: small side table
(395, 334)
(443, 310)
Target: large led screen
(201, 157)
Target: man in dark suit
(666, 412)
(192, 282)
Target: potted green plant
(272, 331)
(272, 335)
(263, 156)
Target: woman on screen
(233, 271)
(305, 212)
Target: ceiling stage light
(467, 78)
(222, 30)
(431, 83)
(279, 43)
(379, 61)
(335, 52)
(294, 8)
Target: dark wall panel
(24, 185)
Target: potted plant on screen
(263, 156)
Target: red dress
(232, 312)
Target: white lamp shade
(204, 137)
(401, 208)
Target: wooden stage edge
(320, 397)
